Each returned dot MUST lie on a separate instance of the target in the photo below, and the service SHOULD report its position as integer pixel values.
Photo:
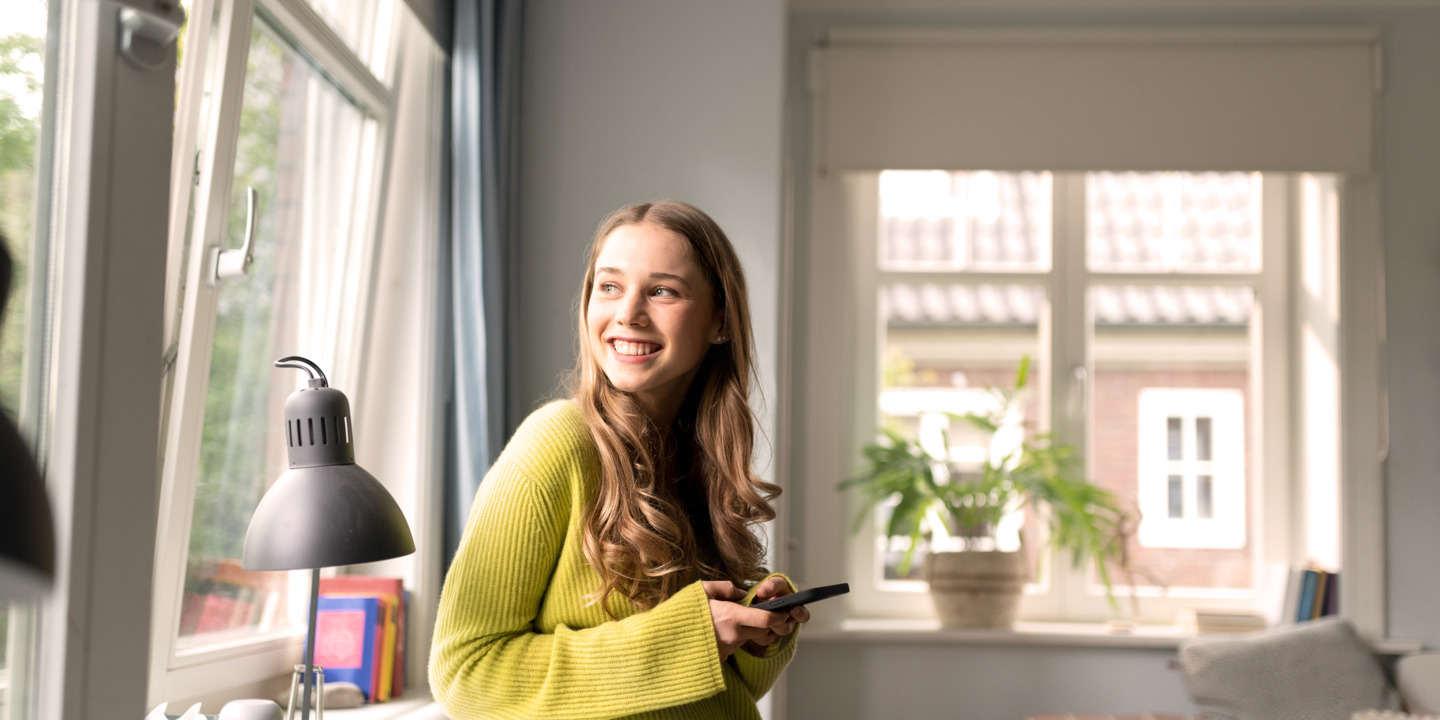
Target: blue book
(1308, 586)
(346, 640)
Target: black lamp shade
(27, 531)
(325, 516)
(325, 510)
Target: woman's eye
(608, 287)
(666, 292)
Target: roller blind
(1297, 100)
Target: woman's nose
(631, 310)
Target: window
(284, 142)
(1191, 455)
(1139, 297)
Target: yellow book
(387, 657)
(1321, 580)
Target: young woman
(603, 567)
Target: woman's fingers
(721, 590)
(736, 625)
(772, 588)
(800, 614)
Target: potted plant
(975, 584)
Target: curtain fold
(484, 217)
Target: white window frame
(838, 340)
(175, 672)
(106, 227)
(1225, 528)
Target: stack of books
(1311, 592)
(360, 634)
(1197, 621)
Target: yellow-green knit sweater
(515, 638)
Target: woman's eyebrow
(671, 277)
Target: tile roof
(1156, 222)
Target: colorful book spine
(1331, 605)
(1309, 582)
(1322, 579)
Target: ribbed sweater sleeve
(759, 672)
(490, 658)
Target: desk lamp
(325, 510)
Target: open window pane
(366, 27)
(302, 149)
(1172, 378)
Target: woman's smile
(634, 350)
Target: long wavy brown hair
(675, 504)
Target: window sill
(416, 704)
(1045, 634)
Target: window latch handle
(234, 263)
(148, 32)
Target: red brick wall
(1115, 460)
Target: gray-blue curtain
(484, 219)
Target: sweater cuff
(698, 637)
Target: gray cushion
(1320, 670)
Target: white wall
(1410, 182)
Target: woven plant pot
(976, 589)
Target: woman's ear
(719, 336)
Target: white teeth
(625, 347)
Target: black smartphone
(804, 597)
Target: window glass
(301, 150)
(22, 70)
(947, 344)
(978, 221)
(366, 26)
(22, 76)
(1192, 222)
(1171, 378)
(1169, 364)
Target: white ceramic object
(1418, 679)
(251, 710)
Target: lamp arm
(309, 678)
(317, 376)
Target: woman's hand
(738, 626)
(770, 589)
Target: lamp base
(297, 682)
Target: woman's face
(651, 316)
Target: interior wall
(977, 682)
(641, 99)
